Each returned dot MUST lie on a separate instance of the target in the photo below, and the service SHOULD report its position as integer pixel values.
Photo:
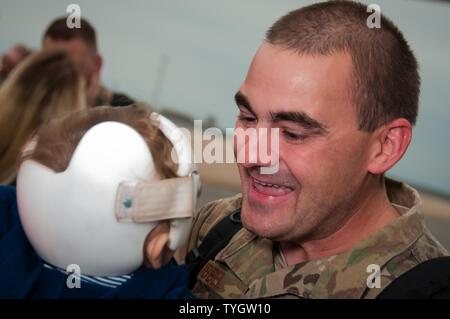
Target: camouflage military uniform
(253, 267)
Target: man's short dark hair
(59, 31)
(386, 82)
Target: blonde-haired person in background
(46, 85)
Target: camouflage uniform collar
(250, 257)
(240, 239)
(344, 275)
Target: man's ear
(156, 251)
(98, 62)
(390, 142)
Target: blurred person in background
(81, 44)
(45, 85)
(11, 58)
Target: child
(97, 190)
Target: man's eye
(294, 136)
(246, 118)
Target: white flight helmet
(97, 213)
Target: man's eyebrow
(300, 118)
(242, 101)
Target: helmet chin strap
(136, 201)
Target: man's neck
(375, 213)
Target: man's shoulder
(107, 97)
(209, 215)
(120, 99)
(426, 247)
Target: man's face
(84, 58)
(77, 49)
(322, 154)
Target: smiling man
(327, 224)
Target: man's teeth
(269, 185)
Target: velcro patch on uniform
(211, 274)
(223, 283)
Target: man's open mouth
(269, 189)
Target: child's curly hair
(56, 140)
